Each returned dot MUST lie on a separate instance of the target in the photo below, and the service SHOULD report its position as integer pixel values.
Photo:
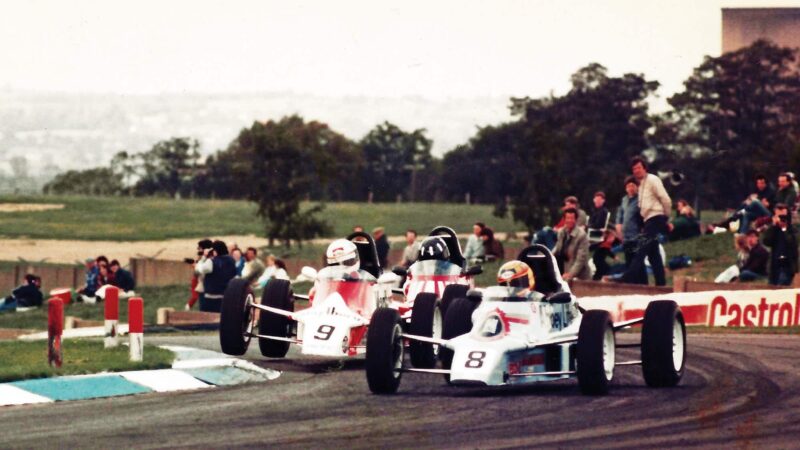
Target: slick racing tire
(451, 293)
(384, 351)
(663, 344)
(277, 294)
(595, 352)
(457, 321)
(236, 317)
(426, 320)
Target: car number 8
(324, 332)
(475, 360)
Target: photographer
(782, 239)
(218, 268)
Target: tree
(97, 181)
(394, 162)
(278, 163)
(738, 115)
(168, 167)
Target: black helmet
(434, 247)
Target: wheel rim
(437, 329)
(608, 353)
(397, 350)
(249, 317)
(678, 345)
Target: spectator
(782, 239)
(629, 220)
(411, 252)
(600, 217)
(750, 211)
(685, 225)
(547, 236)
(253, 267)
(358, 229)
(196, 286)
(602, 251)
(572, 202)
(239, 261)
(122, 278)
(280, 270)
(764, 192)
(786, 192)
(754, 266)
(474, 251)
(654, 205)
(381, 245)
(742, 253)
(273, 271)
(27, 295)
(572, 248)
(87, 292)
(219, 268)
(492, 248)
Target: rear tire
(452, 292)
(595, 352)
(384, 351)
(277, 294)
(663, 344)
(236, 317)
(426, 320)
(458, 321)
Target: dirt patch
(72, 251)
(13, 333)
(28, 207)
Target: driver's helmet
(342, 252)
(518, 277)
(433, 247)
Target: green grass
(24, 360)
(135, 219)
(154, 298)
(743, 330)
(710, 253)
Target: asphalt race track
(740, 391)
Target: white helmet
(342, 252)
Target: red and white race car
(439, 276)
(344, 296)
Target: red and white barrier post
(55, 327)
(136, 328)
(112, 317)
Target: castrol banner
(762, 308)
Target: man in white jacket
(654, 206)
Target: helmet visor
(347, 262)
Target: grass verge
(25, 360)
(137, 219)
(154, 298)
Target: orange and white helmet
(342, 252)
(518, 276)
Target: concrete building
(743, 26)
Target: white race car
(342, 301)
(494, 337)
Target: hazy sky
(435, 49)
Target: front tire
(236, 317)
(277, 294)
(426, 320)
(452, 292)
(384, 351)
(596, 352)
(457, 321)
(663, 344)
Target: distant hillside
(56, 132)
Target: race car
(529, 329)
(344, 297)
(439, 276)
